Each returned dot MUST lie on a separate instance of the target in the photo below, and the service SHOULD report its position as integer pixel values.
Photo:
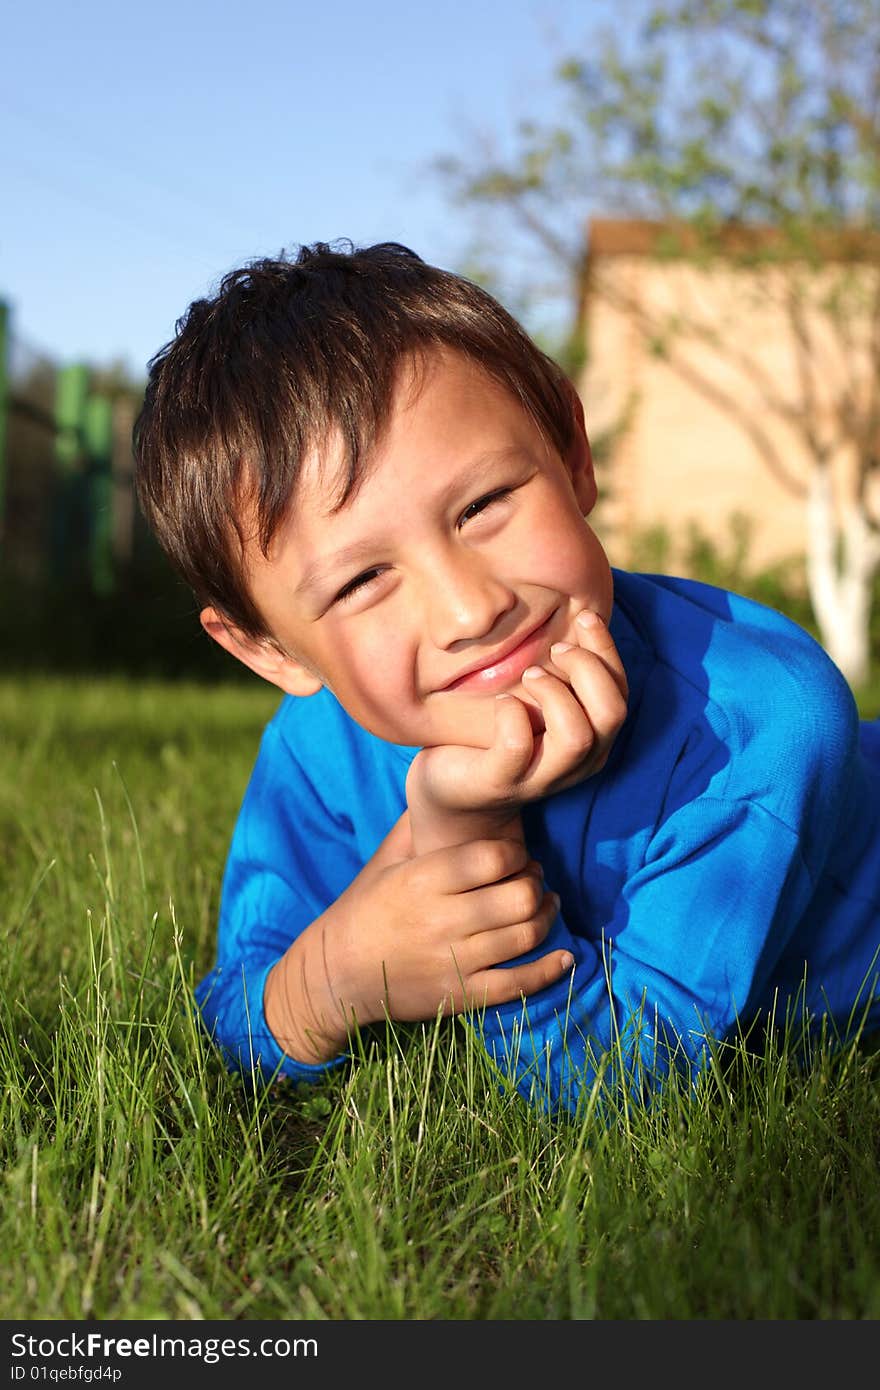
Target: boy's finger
(487, 988)
(513, 904)
(474, 864)
(597, 689)
(594, 635)
(568, 733)
(507, 943)
(513, 744)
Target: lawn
(143, 1181)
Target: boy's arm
(682, 953)
(410, 938)
(303, 1015)
(311, 938)
(422, 927)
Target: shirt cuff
(245, 1040)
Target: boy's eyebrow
(351, 555)
(322, 569)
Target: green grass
(140, 1180)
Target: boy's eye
(359, 582)
(482, 503)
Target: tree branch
(708, 388)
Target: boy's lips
(504, 667)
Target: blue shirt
(724, 865)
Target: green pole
(71, 390)
(98, 438)
(4, 406)
(70, 402)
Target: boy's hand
(582, 704)
(414, 938)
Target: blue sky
(149, 148)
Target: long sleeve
(290, 856)
(691, 944)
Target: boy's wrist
(432, 828)
(436, 825)
(306, 1021)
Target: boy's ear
(580, 456)
(260, 656)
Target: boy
(607, 811)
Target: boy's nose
(464, 601)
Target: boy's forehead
(328, 481)
(330, 484)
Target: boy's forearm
(307, 1000)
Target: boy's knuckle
(494, 859)
(417, 878)
(525, 898)
(578, 743)
(532, 933)
(536, 893)
(619, 709)
(422, 883)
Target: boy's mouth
(505, 667)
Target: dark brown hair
(285, 353)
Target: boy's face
(463, 555)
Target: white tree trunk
(840, 588)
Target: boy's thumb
(514, 741)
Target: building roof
(612, 236)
